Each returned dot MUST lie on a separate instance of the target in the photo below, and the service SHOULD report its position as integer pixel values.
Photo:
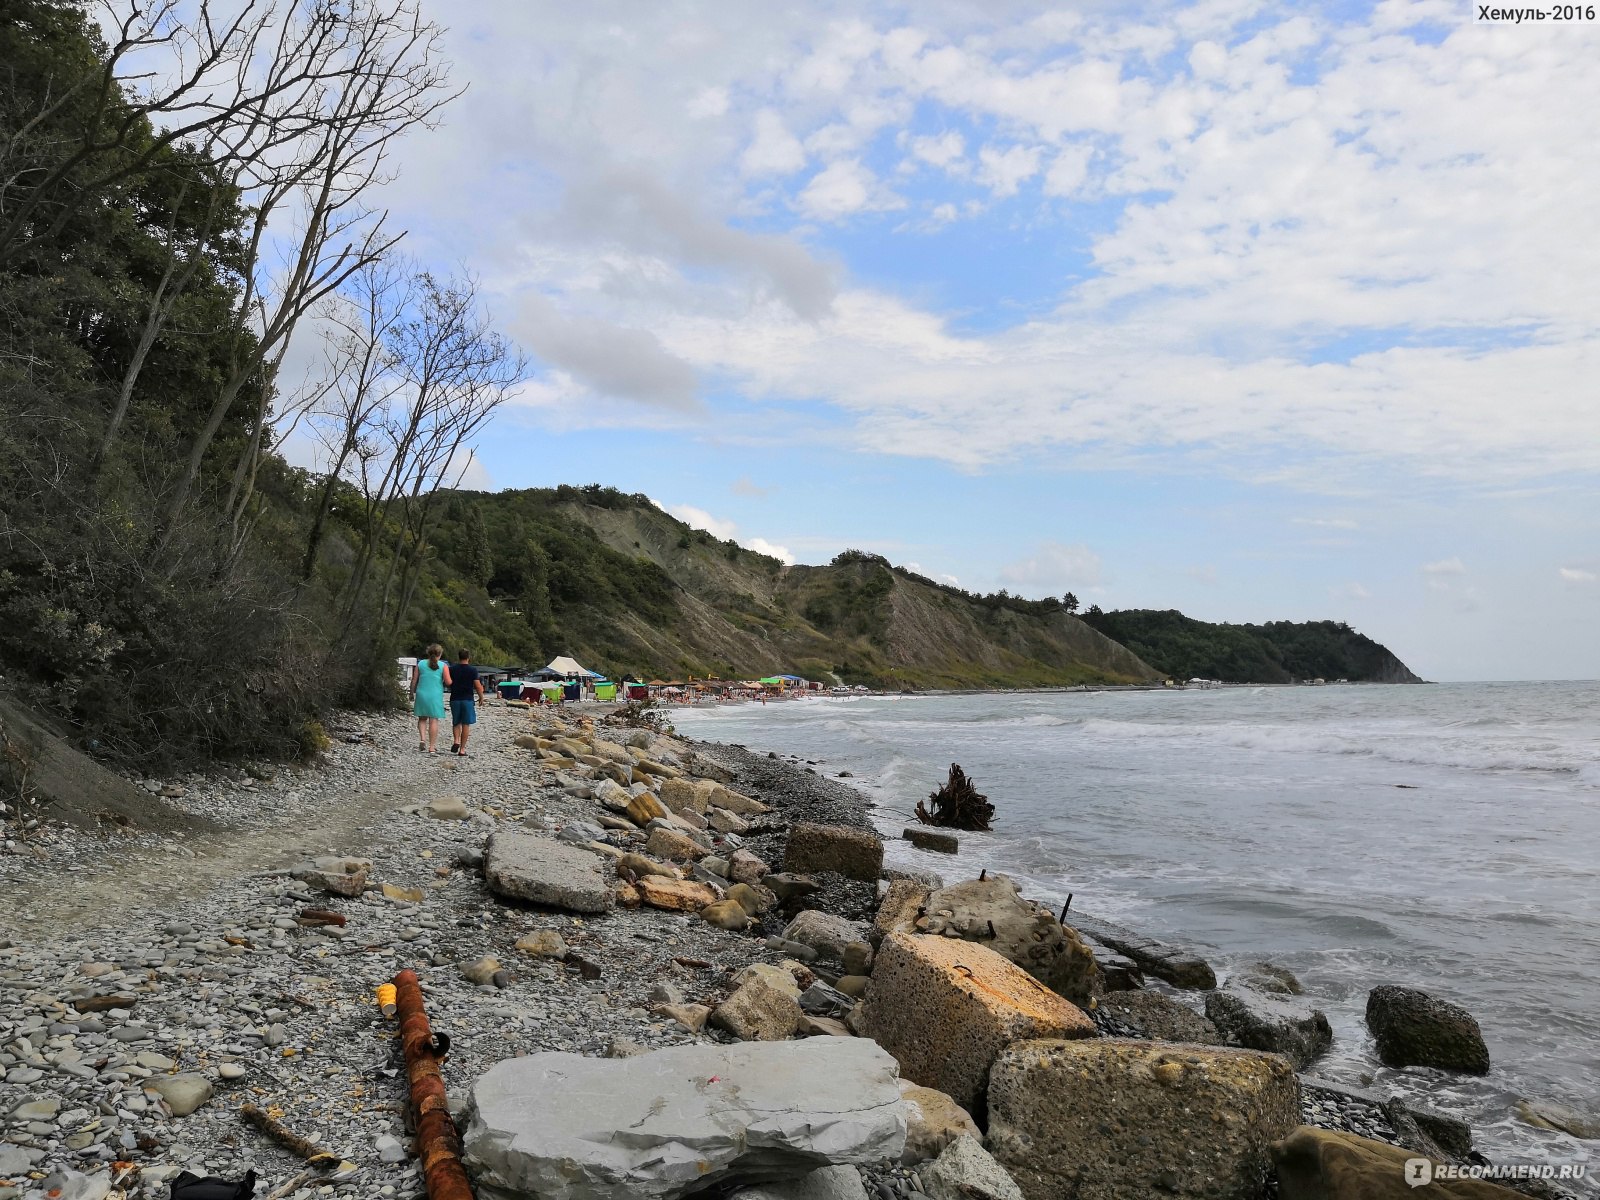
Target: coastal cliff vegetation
(173, 588)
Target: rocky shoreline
(575, 887)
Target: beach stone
(1546, 1114)
(1162, 1017)
(776, 977)
(679, 895)
(1325, 1164)
(528, 741)
(228, 1072)
(853, 985)
(899, 909)
(755, 900)
(933, 1121)
(691, 1016)
(726, 914)
(993, 912)
(851, 852)
(580, 832)
(924, 838)
(665, 843)
(448, 808)
(857, 958)
(1118, 972)
(36, 1110)
(1280, 1024)
(825, 933)
(964, 1170)
(522, 866)
(724, 821)
(698, 1117)
(745, 867)
(183, 1093)
(612, 795)
(736, 803)
(644, 808)
(682, 795)
(945, 1008)
(1117, 1119)
(1414, 1029)
(335, 875)
(791, 887)
(759, 1012)
(814, 1025)
(825, 1183)
(640, 865)
(1179, 966)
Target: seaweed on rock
(957, 804)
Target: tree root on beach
(957, 804)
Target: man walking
(465, 688)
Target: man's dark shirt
(463, 677)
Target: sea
(1445, 837)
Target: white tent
(565, 667)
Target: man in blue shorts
(465, 689)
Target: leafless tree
(307, 199)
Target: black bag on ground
(188, 1186)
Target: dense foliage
(1277, 652)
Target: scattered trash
(188, 1186)
(438, 1140)
(386, 1000)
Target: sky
(1258, 311)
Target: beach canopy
(565, 666)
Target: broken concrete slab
(522, 866)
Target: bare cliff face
(861, 619)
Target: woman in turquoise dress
(429, 680)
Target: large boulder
(1279, 1023)
(1322, 1164)
(664, 843)
(1116, 1119)
(992, 911)
(522, 866)
(1162, 1017)
(681, 795)
(825, 1183)
(853, 853)
(736, 802)
(945, 1008)
(933, 1121)
(966, 1171)
(825, 933)
(696, 1117)
(1414, 1029)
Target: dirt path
(122, 879)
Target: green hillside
(610, 578)
(1277, 652)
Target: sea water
(1445, 837)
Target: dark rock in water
(1118, 972)
(1178, 966)
(1414, 1029)
(1160, 1017)
(1276, 1023)
(1264, 977)
(931, 839)
(1547, 1114)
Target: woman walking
(428, 682)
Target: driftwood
(957, 804)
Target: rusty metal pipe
(438, 1140)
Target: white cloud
(773, 150)
(1326, 522)
(945, 150)
(1444, 566)
(745, 486)
(843, 188)
(1054, 567)
(1577, 575)
(728, 531)
(1004, 171)
(1351, 591)
(762, 546)
(710, 102)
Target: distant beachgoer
(428, 682)
(465, 689)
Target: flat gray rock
(662, 1125)
(1178, 965)
(825, 1183)
(523, 866)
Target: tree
(1069, 602)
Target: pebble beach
(223, 993)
